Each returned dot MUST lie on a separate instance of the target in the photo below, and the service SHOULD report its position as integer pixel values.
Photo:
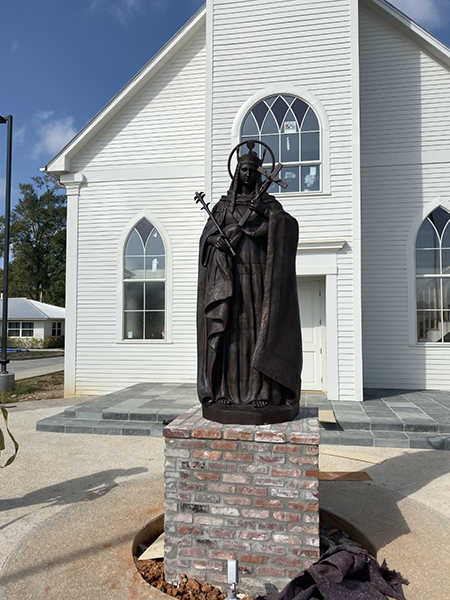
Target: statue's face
(247, 175)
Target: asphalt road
(25, 368)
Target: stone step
(392, 439)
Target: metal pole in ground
(6, 379)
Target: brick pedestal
(241, 492)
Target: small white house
(33, 319)
(354, 99)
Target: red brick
(287, 562)
(192, 444)
(184, 475)
(238, 456)
(269, 549)
(311, 530)
(221, 488)
(222, 555)
(253, 535)
(284, 493)
(224, 510)
(272, 526)
(312, 473)
(185, 529)
(287, 539)
(211, 434)
(255, 514)
(238, 434)
(259, 503)
(192, 465)
(180, 518)
(271, 459)
(252, 469)
(198, 487)
(312, 451)
(311, 517)
(240, 523)
(237, 500)
(208, 520)
(306, 553)
(223, 445)
(174, 432)
(304, 438)
(276, 471)
(303, 506)
(275, 437)
(252, 491)
(312, 541)
(303, 460)
(222, 467)
(253, 558)
(270, 572)
(245, 569)
(206, 565)
(237, 478)
(287, 516)
(207, 476)
(273, 482)
(207, 454)
(286, 449)
(239, 546)
(255, 447)
(177, 453)
(194, 552)
(222, 534)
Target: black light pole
(6, 379)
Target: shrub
(54, 342)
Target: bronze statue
(248, 322)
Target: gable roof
(61, 162)
(23, 309)
(417, 34)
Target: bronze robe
(248, 322)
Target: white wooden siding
(405, 112)
(306, 43)
(164, 123)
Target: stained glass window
(290, 127)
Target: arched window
(433, 278)
(290, 127)
(144, 284)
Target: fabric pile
(344, 574)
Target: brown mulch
(44, 387)
(189, 589)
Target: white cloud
(429, 13)
(19, 134)
(124, 10)
(53, 134)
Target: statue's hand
(218, 241)
(257, 206)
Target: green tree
(38, 242)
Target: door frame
(318, 258)
(322, 358)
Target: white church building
(354, 99)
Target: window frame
(316, 105)
(56, 326)
(120, 338)
(438, 277)
(21, 328)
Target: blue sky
(63, 60)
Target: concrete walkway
(71, 505)
(25, 368)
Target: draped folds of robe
(248, 323)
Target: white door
(310, 294)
